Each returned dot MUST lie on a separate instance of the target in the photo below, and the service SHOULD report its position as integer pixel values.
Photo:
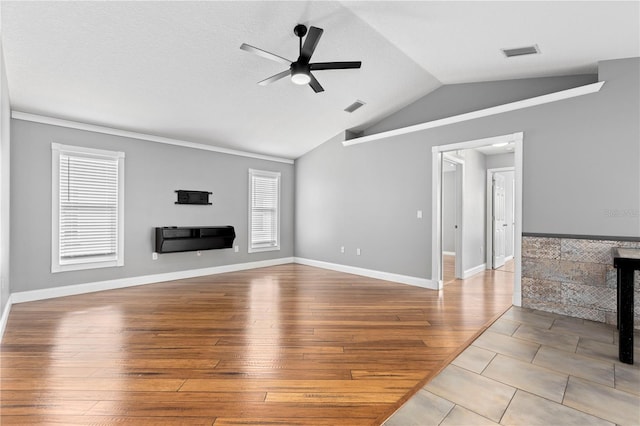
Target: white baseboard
(71, 290)
(5, 316)
(449, 253)
(475, 270)
(387, 276)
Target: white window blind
(264, 214)
(89, 208)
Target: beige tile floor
(532, 368)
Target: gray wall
(456, 99)
(578, 153)
(500, 160)
(153, 171)
(474, 210)
(358, 197)
(5, 165)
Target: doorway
(438, 154)
(500, 216)
(452, 204)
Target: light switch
(419, 215)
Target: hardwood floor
(289, 344)
(448, 268)
(509, 266)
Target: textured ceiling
(175, 69)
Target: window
(264, 211)
(87, 208)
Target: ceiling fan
(300, 70)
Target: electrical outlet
(342, 249)
(199, 253)
(357, 252)
(236, 249)
(154, 256)
(419, 214)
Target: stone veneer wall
(574, 276)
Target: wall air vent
(354, 106)
(521, 51)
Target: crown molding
(18, 115)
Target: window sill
(261, 249)
(83, 266)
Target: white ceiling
(175, 69)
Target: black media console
(172, 239)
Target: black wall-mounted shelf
(172, 239)
(193, 197)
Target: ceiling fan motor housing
(298, 67)
(300, 30)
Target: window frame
(272, 175)
(57, 265)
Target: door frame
(489, 245)
(436, 205)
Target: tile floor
(532, 368)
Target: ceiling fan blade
(276, 77)
(310, 43)
(314, 83)
(335, 65)
(265, 54)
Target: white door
(499, 220)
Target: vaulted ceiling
(175, 69)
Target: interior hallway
(449, 268)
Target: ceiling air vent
(354, 106)
(521, 51)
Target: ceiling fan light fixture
(301, 78)
(300, 74)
